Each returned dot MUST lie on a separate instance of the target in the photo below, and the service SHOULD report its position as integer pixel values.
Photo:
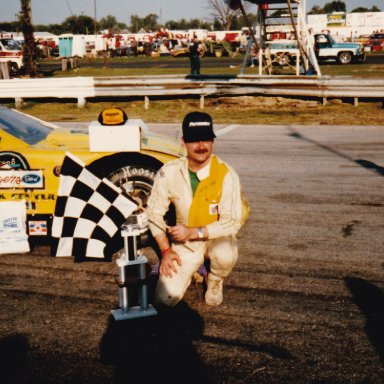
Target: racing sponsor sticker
(12, 160)
(31, 179)
(37, 228)
(213, 209)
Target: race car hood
(67, 138)
(78, 138)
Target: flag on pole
(88, 215)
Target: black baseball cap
(197, 126)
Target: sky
(56, 11)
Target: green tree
(82, 25)
(149, 23)
(364, 9)
(183, 24)
(251, 17)
(121, 27)
(316, 10)
(30, 49)
(217, 25)
(335, 6)
(198, 24)
(10, 26)
(56, 29)
(239, 22)
(172, 24)
(189, 24)
(277, 14)
(221, 11)
(107, 22)
(136, 23)
(359, 10)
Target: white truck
(11, 51)
(286, 52)
(326, 48)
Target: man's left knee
(222, 266)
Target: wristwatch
(200, 233)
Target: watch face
(200, 232)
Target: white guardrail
(83, 88)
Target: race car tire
(136, 181)
(134, 173)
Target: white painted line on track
(226, 129)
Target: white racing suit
(172, 185)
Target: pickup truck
(285, 52)
(326, 48)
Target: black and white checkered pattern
(88, 214)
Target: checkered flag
(88, 214)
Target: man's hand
(180, 233)
(167, 265)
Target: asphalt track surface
(304, 304)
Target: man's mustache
(201, 151)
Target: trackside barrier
(79, 88)
(4, 70)
(83, 88)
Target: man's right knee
(163, 297)
(169, 301)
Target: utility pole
(30, 49)
(95, 18)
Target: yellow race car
(32, 151)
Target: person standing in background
(194, 56)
